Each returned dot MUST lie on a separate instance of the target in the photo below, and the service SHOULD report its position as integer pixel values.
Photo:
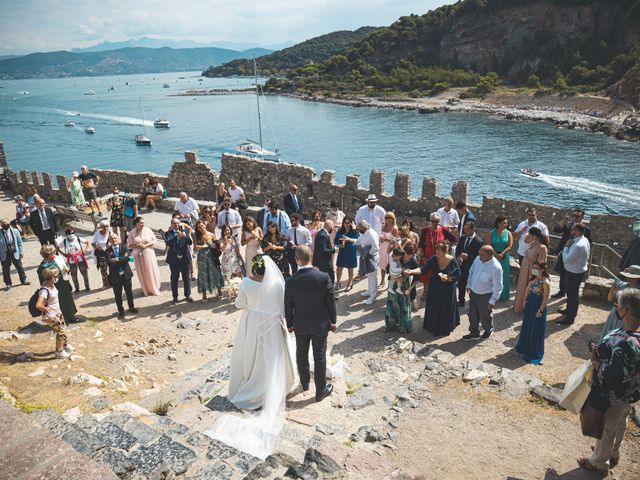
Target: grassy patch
(352, 388)
(162, 408)
(32, 407)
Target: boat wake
(111, 118)
(590, 187)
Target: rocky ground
(430, 408)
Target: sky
(28, 26)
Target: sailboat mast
(255, 70)
(144, 119)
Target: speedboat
(528, 171)
(161, 123)
(166, 85)
(69, 123)
(143, 140)
(89, 92)
(89, 130)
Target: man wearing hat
(372, 213)
(632, 276)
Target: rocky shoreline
(596, 114)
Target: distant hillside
(118, 62)
(147, 42)
(313, 50)
(563, 45)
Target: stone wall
(3, 157)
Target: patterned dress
(77, 197)
(117, 213)
(278, 256)
(229, 259)
(209, 274)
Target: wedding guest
(501, 240)
(441, 312)
(484, 288)
(347, 253)
(523, 228)
(449, 218)
(632, 275)
(230, 217)
(221, 193)
(251, 239)
(280, 218)
(372, 213)
(43, 223)
(564, 227)
(141, 242)
(336, 216)
(314, 226)
(388, 237)
(410, 262)
(465, 215)
(49, 304)
(210, 218)
(263, 212)
(616, 382)
(323, 251)
(432, 234)
(407, 233)
(156, 194)
(238, 198)
(369, 247)
(31, 195)
(120, 273)
(534, 323)
(208, 251)
(536, 252)
(293, 201)
(230, 259)
(466, 252)
(11, 252)
(187, 208)
(178, 240)
(146, 190)
(397, 317)
(296, 235)
(53, 261)
(130, 212)
(116, 205)
(71, 248)
(23, 221)
(274, 244)
(99, 242)
(77, 197)
(576, 261)
(90, 182)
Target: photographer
(178, 241)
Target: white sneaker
(63, 355)
(370, 301)
(365, 294)
(69, 348)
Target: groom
(310, 311)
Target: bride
(262, 369)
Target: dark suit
(178, 258)
(565, 230)
(120, 274)
(323, 253)
(310, 309)
(468, 217)
(472, 249)
(36, 224)
(290, 205)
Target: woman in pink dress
(315, 226)
(141, 242)
(389, 232)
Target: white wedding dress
(262, 367)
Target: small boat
(69, 123)
(111, 89)
(161, 123)
(529, 172)
(89, 130)
(89, 92)
(166, 85)
(201, 79)
(143, 139)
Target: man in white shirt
(576, 262)
(188, 209)
(369, 242)
(372, 213)
(523, 228)
(449, 218)
(229, 216)
(238, 198)
(276, 216)
(297, 234)
(484, 288)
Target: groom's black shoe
(304, 387)
(324, 393)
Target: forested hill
(557, 44)
(313, 50)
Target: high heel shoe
(349, 287)
(338, 285)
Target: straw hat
(632, 271)
(372, 197)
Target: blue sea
(577, 168)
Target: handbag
(577, 388)
(128, 211)
(591, 421)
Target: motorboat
(89, 130)
(143, 140)
(528, 171)
(111, 89)
(166, 85)
(69, 123)
(161, 123)
(89, 92)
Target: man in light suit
(310, 311)
(293, 201)
(43, 224)
(323, 250)
(11, 252)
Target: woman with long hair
(315, 225)
(221, 194)
(250, 238)
(207, 252)
(210, 219)
(141, 243)
(347, 253)
(388, 238)
(501, 240)
(537, 248)
(274, 244)
(230, 259)
(534, 323)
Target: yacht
(89, 130)
(69, 123)
(161, 123)
(143, 139)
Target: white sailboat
(143, 139)
(251, 148)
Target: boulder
(547, 392)
(360, 399)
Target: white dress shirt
(486, 277)
(524, 227)
(450, 218)
(576, 257)
(230, 217)
(370, 238)
(374, 216)
(186, 208)
(299, 235)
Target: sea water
(578, 168)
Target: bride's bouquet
(232, 289)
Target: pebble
(172, 357)
(153, 340)
(86, 378)
(93, 392)
(129, 343)
(141, 351)
(37, 372)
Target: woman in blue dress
(441, 313)
(534, 324)
(347, 256)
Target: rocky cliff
(628, 88)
